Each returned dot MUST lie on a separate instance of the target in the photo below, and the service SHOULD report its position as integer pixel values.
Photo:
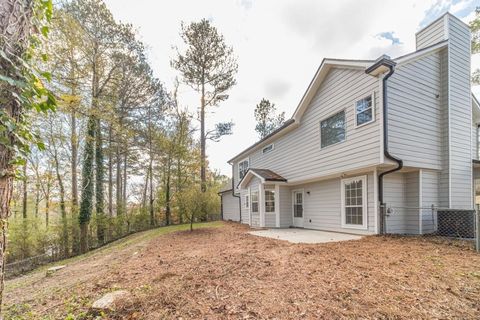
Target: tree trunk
(47, 203)
(167, 194)
(202, 143)
(99, 194)
(24, 188)
(73, 169)
(152, 213)
(63, 211)
(110, 172)
(15, 27)
(124, 192)
(118, 188)
(37, 198)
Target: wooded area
(121, 153)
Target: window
(332, 130)
(269, 201)
(242, 168)
(364, 111)
(247, 201)
(354, 202)
(254, 196)
(267, 149)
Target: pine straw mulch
(226, 273)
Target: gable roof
(265, 175)
(319, 77)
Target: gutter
(384, 63)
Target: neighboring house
(397, 133)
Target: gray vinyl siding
(415, 113)
(230, 207)
(430, 196)
(297, 154)
(432, 34)
(286, 208)
(444, 182)
(270, 220)
(460, 114)
(323, 206)
(401, 194)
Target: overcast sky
(279, 45)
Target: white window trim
(268, 151)
(364, 225)
(238, 167)
(373, 110)
(320, 129)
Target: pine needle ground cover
(219, 271)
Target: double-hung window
(254, 199)
(354, 202)
(242, 168)
(364, 111)
(269, 201)
(332, 129)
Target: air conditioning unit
(456, 223)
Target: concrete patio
(296, 235)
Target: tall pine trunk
(87, 184)
(99, 194)
(24, 191)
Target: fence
(445, 222)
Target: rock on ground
(108, 301)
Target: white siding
(430, 35)
(415, 113)
(460, 114)
(286, 208)
(401, 194)
(430, 196)
(230, 207)
(298, 156)
(322, 207)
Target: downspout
(233, 193)
(385, 62)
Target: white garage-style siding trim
(301, 155)
(230, 207)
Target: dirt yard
(223, 272)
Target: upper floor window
(364, 111)
(267, 149)
(332, 130)
(242, 168)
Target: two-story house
(372, 145)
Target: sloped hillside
(221, 271)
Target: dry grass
(219, 273)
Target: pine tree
(86, 201)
